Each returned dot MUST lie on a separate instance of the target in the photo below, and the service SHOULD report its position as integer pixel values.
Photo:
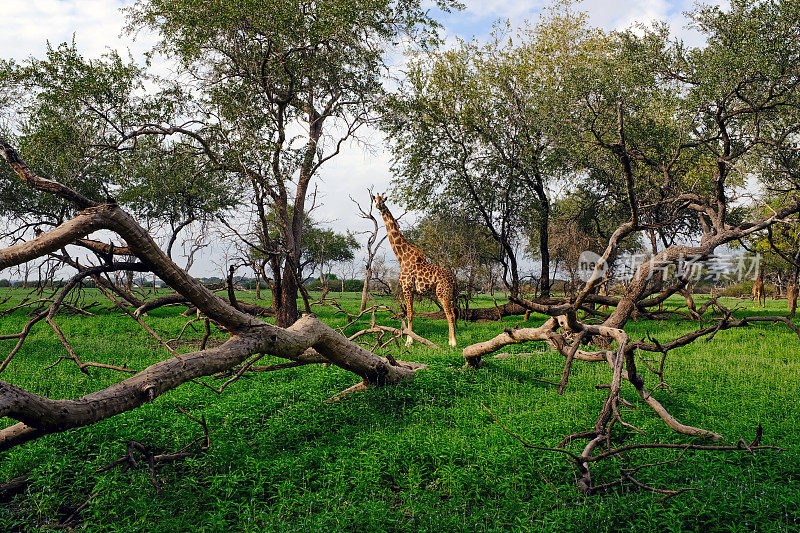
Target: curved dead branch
(38, 416)
(555, 331)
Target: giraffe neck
(401, 247)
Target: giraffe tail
(457, 301)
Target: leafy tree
(269, 79)
(72, 118)
(481, 129)
(681, 127)
(63, 106)
(323, 247)
(174, 188)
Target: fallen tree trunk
(39, 416)
(250, 336)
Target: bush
(350, 285)
(354, 285)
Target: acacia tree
(323, 247)
(440, 160)
(661, 127)
(482, 128)
(678, 129)
(688, 144)
(279, 86)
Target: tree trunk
(287, 313)
(544, 246)
(277, 287)
(365, 290)
(514, 288)
(39, 416)
(793, 285)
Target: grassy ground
(421, 456)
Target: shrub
(350, 285)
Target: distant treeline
(313, 284)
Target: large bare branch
(39, 416)
(84, 223)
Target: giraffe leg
(451, 322)
(446, 299)
(409, 296)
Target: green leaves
(77, 123)
(322, 246)
(67, 121)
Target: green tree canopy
(268, 79)
(74, 119)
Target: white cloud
(510, 9)
(617, 16)
(479, 16)
(97, 25)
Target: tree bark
(544, 237)
(365, 289)
(287, 312)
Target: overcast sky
(26, 26)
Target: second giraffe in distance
(417, 276)
(759, 297)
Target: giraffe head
(380, 202)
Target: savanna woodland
(605, 226)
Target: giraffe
(758, 291)
(417, 276)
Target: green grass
(420, 456)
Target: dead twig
(128, 461)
